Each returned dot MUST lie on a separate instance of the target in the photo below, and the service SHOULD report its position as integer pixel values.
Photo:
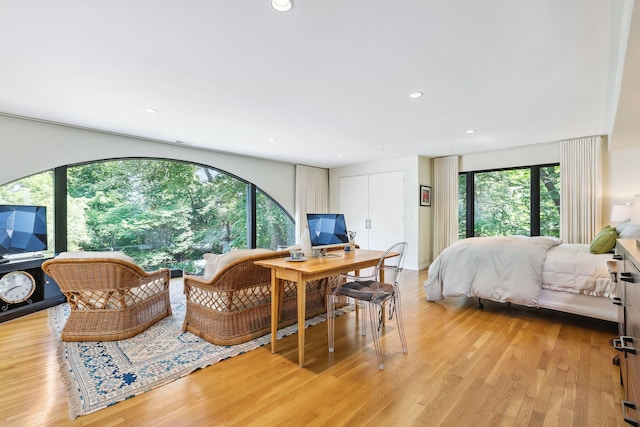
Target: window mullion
(535, 201)
(252, 230)
(471, 200)
(60, 208)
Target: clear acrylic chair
(374, 293)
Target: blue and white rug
(100, 374)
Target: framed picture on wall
(425, 195)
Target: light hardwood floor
(503, 365)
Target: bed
(533, 271)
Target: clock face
(16, 287)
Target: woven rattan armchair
(111, 299)
(234, 306)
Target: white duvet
(515, 268)
(571, 267)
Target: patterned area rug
(100, 374)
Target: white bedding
(516, 268)
(571, 267)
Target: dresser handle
(617, 257)
(617, 301)
(626, 404)
(620, 345)
(616, 344)
(627, 279)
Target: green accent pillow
(604, 241)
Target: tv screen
(327, 229)
(22, 229)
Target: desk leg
(302, 305)
(275, 309)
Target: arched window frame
(60, 209)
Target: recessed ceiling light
(150, 110)
(271, 140)
(416, 94)
(282, 5)
(341, 155)
(470, 131)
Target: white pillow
(229, 257)
(630, 232)
(211, 265)
(90, 254)
(624, 224)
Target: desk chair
(373, 294)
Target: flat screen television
(23, 229)
(327, 230)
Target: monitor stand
(322, 252)
(319, 252)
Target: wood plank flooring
(499, 366)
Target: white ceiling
(329, 80)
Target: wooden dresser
(628, 342)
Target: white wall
(418, 238)
(621, 178)
(425, 214)
(30, 147)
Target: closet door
(354, 204)
(385, 209)
(373, 206)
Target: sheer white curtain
(445, 203)
(581, 188)
(312, 194)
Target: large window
(518, 201)
(163, 213)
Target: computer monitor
(327, 231)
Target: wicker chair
(111, 299)
(234, 306)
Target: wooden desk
(303, 271)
